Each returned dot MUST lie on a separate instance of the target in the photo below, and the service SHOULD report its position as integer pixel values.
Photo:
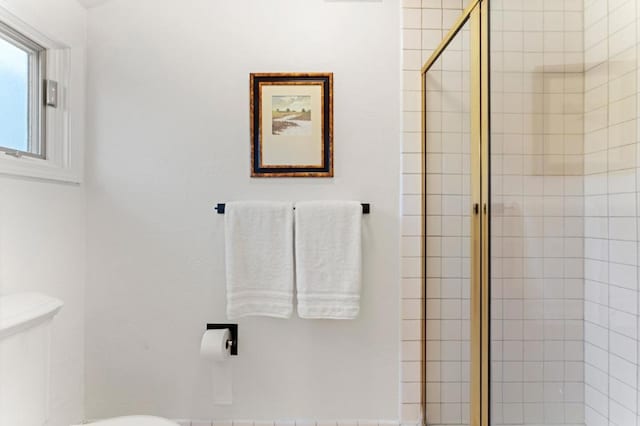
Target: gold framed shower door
(477, 15)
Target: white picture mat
(291, 150)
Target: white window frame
(62, 159)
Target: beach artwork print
(291, 115)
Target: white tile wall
(424, 22)
(411, 225)
(611, 212)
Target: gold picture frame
(291, 124)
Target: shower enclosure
(530, 133)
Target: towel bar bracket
(220, 207)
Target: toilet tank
(25, 335)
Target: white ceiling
(92, 3)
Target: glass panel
(564, 242)
(448, 219)
(14, 97)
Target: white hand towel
(328, 258)
(259, 259)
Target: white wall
(169, 137)
(42, 224)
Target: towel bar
(366, 208)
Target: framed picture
(291, 125)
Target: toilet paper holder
(233, 332)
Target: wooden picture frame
(291, 124)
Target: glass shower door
(537, 209)
(448, 217)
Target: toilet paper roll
(213, 346)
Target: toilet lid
(135, 421)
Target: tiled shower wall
(565, 211)
(611, 212)
(424, 24)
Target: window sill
(37, 168)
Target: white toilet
(25, 335)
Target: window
(40, 136)
(22, 104)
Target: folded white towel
(328, 259)
(259, 259)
